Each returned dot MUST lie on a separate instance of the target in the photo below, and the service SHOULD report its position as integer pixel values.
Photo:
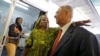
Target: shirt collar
(65, 27)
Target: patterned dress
(41, 42)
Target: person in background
(72, 40)
(14, 33)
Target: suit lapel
(65, 38)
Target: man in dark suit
(74, 40)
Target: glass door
(6, 10)
(4, 7)
(16, 9)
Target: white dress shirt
(64, 29)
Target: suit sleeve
(89, 46)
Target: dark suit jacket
(77, 41)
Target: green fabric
(41, 42)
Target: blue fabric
(4, 52)
(19, 51)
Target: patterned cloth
(41, 41)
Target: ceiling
(85, 8)
(31, 10)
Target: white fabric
(22, 40)
(64, 29)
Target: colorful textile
(41, 42)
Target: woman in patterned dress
(40, 39)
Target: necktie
(56, 42)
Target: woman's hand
(81, 23)
(21, 33)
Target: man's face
(62, 17)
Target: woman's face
(20, 21)
(44, 21)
